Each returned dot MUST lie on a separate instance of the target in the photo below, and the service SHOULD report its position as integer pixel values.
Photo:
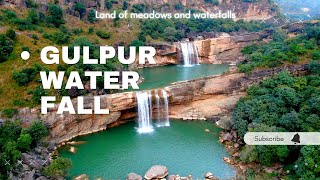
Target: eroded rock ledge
(211, 96)
(213, 49)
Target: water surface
(162, 76)
(184, 147)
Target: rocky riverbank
(157, 172)
(233, 144)
(220, 93)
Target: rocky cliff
(224, 48)
(208, 97)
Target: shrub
(11, 34)
(138, 8)
(178, 6)
(33, 16)
(171, 34)
(77, 31)
(37, 131)
(125, 5)
(6, 47)
(314, 67)
(137, 43)
(37, 94)
(91, 30)
(246, 68)
(58, 167)
(308, 155)
(35, 37)
(24, 142)
(103, 35)
(108, 4)
(10, 14)
(55, 16)
(60, 38)
(30, 4)
(9, 113)
(26, 75)
(316, 55)
(25, 48)
(92, 16)
(81, 8)
(22, 24)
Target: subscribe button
(282, 138)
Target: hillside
(41, 23)
(306, 9)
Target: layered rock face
(210, 96)
(217, 50)
(225, 49)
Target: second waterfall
(152, 105)
(189, 53)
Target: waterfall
(158, 103)
(147, 112)
(144, 111)
(166, 107)
(189, 53)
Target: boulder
(237, 154)
(29, 175)
(172, 177)
(224, 123)
(31, 160)
(209, 176)
(82, 177)
(227, 137)
(133, 176)
(156, 172)
(42, 178)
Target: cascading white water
(166, 107)
(158, 103)
(189, 53)
(144, 121)
(145, 108)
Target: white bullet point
(25, 55)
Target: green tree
(125, 5)
(60, 38)
(10, 112)
(81, 8)
(37, 131)
(6, 47)
(92, 16)
(314, 67)
(58, 167)
(308, 162)
(24, 142)
(137, 43)
(33, 16)
(26, 75)
(11, 34)
(103, 35)
(91, 30)
(37, 94)
(109, 4)
(55, 16)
